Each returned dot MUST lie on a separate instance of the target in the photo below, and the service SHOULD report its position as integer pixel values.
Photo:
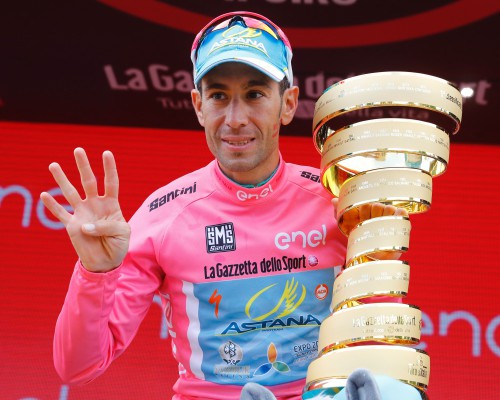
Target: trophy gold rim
(389, 323)
(409, 365)
(358, 299)
(359, 147)
(412, 205)
(371, 279)
(323, 132)
(389, 233)
(380, 88)
(390, 186)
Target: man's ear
(196, 100)
(290, 103)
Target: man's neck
(250, 185)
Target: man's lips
(240, 142)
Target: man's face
(241, 110)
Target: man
(242, 252)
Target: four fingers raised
(89, 183)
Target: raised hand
(97, 228)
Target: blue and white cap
(243, 37)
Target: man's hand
(368, 211)
(97, 229)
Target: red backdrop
(453, 256)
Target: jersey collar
(255, 194)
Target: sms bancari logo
(220, 238)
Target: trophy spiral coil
(389, 158)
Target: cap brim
(240, 55)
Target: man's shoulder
(185, 189)
(306, 177)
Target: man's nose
(236, 114)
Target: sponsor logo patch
(220, 238)
(231, 353)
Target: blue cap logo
(236, 35)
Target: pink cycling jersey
(244, 275)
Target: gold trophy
(382, 138)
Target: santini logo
(220, 238)
(160, 201)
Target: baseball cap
(244, 37)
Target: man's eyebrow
(215, 85)
(258, 82)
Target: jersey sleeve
(103, 311)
